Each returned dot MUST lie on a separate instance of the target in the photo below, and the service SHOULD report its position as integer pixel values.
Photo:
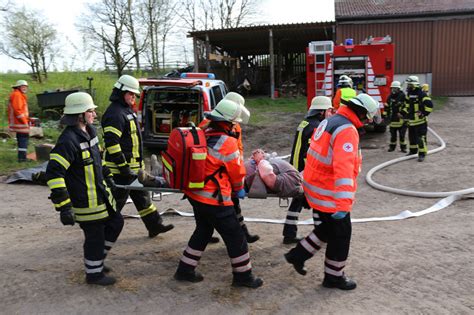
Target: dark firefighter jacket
(302, 139)
(122, 138)
(395, 104)
(418, 105)
(75, 175)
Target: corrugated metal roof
(350, 9)
(248, 40)
(264, 27)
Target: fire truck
(369, 64)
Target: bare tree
(105, 24)
(209, 14)
(138, 34)
(29, 38)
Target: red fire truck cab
(370, 65)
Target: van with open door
(169, 103)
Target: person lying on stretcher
(269, 175)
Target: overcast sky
(64, 13)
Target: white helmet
(78, 103)
(396, 85)
(128, 83)
(344, 79)
(369, 104)
(20, 83)
(239, 99)
(318, 103)
(412, 80)
(226, 110)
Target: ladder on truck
(321, 51)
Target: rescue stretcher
(157, 193)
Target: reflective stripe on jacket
(122, 138)
(75, 168)
(301, 142)
(394, 106)
(223, 160)
(333, 163)
(417, 102)
(343, 95)
(18, 116)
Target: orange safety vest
(18, 116)
(224, 165)
(333, 163)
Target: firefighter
(417, 107)
(393, 113)
(329, 182)
(77, 179)
(124, 152)
(18, 117)
(245, 115)
(316, 114)
(213, 207)
(344, 93)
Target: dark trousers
(224, 220)
(99, 239)
(290, 228)
(327, 230)
(417, 135)
(22, 141)
(142, 201)
(398, 131)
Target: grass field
(260, 108)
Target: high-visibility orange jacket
(342, 96)
(237, 130)
(333, 163)
(18, 116)
(224, 167)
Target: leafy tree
(31, 39)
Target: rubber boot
(250, 281)
(343, 283)
(299, 266)
(412, 152)
(192, 276)
(250, 238)
(291, 239)
(391, 147)
(421, 157)
(160, 228)
(104, 280)
(403, 148)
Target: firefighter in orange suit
(245, 115)
(344, 93)
(213, 207)
(18, 117)
(329, 182)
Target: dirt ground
(422, 265)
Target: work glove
(67, 217)
(161, 182)
(240, 194)
(127, 173)
(339, 215)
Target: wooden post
(272, 65)
(196, 54)
(208, 52)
